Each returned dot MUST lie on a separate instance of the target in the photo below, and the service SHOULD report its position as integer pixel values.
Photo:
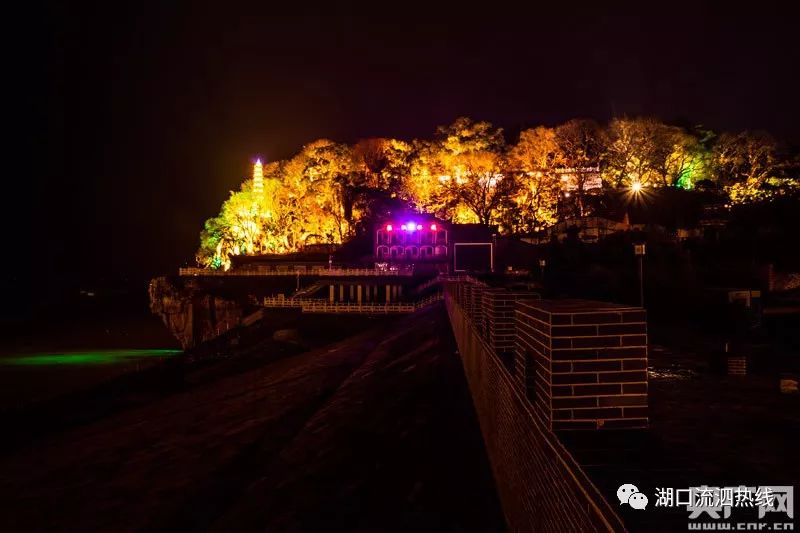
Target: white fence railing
(315, 271)
(317, 305)
(465, 278)
(441, 278)
(430, 283)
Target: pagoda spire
(258, 177)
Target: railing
(316, 271)
(430, 283)
(317, 305)
(463, 278)
(306, 291)
(277, 301)
(444, 277)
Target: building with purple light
(425, 242)
(417, 239)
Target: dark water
(785, 330)
(77, 345)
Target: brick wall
(499, 320)
(583, 363)
(540, 485)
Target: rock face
(191, 314)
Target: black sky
(143, 118)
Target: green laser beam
(98, 357)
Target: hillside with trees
(469, 172)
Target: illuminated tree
(466, 135)
(369, 160)
(399, 156)
(687, 160)
(581, 146)
(237, 230)
(382, 163)
(533, 161)
(745, 157)
(381, 166)
(750, 167)
(635, 151)
(421, 187)
(480, 184)
(331, 172)
(469, 159)
(649, 153)
(301, 203)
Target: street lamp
(542, 264)
(638, 250)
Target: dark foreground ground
(706, 428)
(373, 433)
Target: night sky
(139, 121)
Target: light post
(492, 251)
(542, 264)
(639, 250)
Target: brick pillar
(483, 324)
(330, 293)
(584, 363)
(498, 312)
(468, 295)
(476, 311)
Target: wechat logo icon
(628, 493)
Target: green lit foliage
(686, 162)
(677, 158)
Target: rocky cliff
(192, 314)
